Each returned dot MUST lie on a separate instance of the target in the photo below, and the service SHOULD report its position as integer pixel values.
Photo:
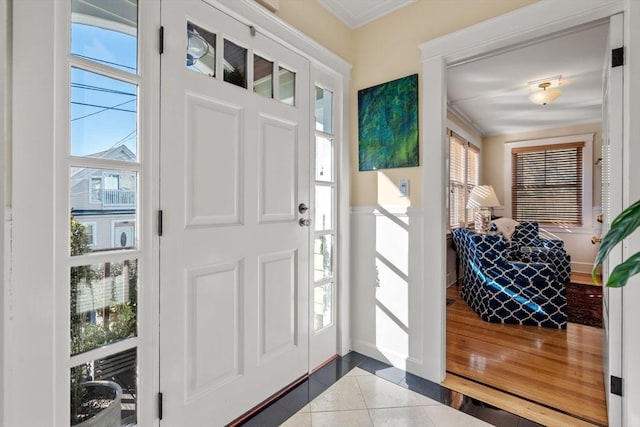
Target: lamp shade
(482, 196)
(544, 97)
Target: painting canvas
(388, 125)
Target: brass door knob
(596, 239)
(599, 218)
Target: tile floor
(363, 399)
(356, 390)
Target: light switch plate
(403, 186)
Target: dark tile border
(290, 403)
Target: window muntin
(464, 174)
(546, 184)
(106, 32)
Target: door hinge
(617, 57)
(160, 222)
(160, 406)
(161, 41)
(616, 385)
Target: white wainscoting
(386, 285)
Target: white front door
(234, 257)
(612, 206)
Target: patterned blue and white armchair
(504, 291)
(527, 246)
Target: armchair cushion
(527, 246)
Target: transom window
(239, 67)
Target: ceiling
(492, 93)
(356, 13)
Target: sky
(103, 109)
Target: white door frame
(541, 19)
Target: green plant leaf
(622, 226)
(619, 276)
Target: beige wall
(492, 156)
(385, 50)
(317, 22)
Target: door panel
(208, 163)
(234, 260)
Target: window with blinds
(546, 184)
(464, 174)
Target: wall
(388, 49)
(317, 22)
(387, 287)
(577, 242)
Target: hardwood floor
(558, 369)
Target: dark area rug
(584, 304)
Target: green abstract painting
(388, 125)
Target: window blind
(464, 172)
(546, 184)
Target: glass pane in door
(201, 50)
(322, 306)
(287, 86)
(263, 76)
(324, 110)
(103, 304)
(235, 64)
(106, 32)
(324, 159)
(108, 199)
(323, 257)
(324, 208)
(105, 389)
(104, 118)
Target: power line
(103, 108)
(100, 89)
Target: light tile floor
(362, 399)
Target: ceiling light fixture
(545, 96)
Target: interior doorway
(468, 45)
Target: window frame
(587, 175)
(452, 128)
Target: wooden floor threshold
(524, 408)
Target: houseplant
(621, 227)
